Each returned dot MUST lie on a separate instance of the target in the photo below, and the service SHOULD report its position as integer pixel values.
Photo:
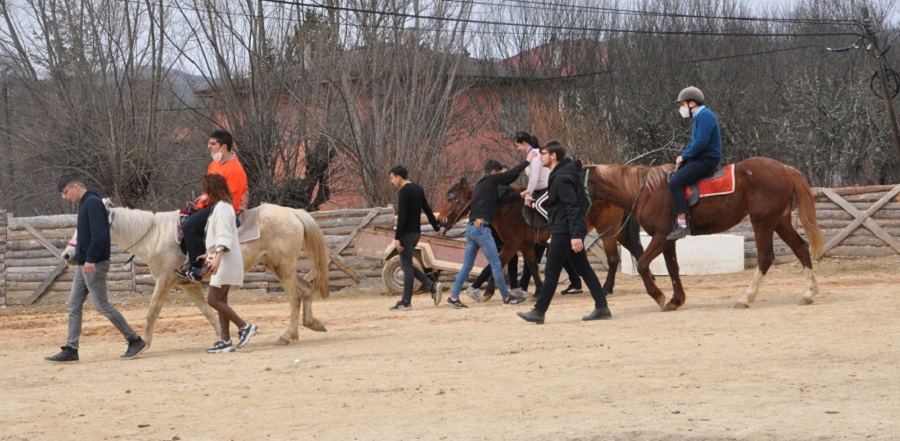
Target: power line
(543, 6)
(560, 28)
(676, 63)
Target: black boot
(533, 316)
(67, 355)
(135, 347)
(598, 314)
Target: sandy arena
(777, 371)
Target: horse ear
(463, 182)
(108, 203)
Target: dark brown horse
(518, 236)
(766, 190)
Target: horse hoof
(282, 341)
(317, 326)
(669, 307)
(805, 301)
(741, 305)
(662, 303)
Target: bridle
(457, 200)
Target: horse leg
(160, 294)
(306, 289)
(653, 249)
(789, 235)
(678, 296)
(530, 258)
(765, 256)
(195, 293)
(612, 262)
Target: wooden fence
(856, 221)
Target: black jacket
(93, 230)
(484, 197)
(567, 202)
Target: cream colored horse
(284, 233)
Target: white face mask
(217, 156)
(685, 111)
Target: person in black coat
(567, 207)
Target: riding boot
(679, 232)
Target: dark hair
(504, 165)
(67, 179)
(401, 171)
(526, 137)
(216, 188)
(554, 146)
(223, 137)
(492, 165)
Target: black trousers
(195, 235)
(690, 172)
(567, 265)
(409, 241)
(558, 252)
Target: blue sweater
(706, 140)
(93, 230)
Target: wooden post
(882, 78)
(3, 230)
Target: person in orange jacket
(225, 163)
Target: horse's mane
(631, 177)
(134, 223)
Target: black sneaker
(437, 293)
(679, 233)
(135, 347)
(67, 355)
(220, 347)
(400, 306)
(194, 275)
(513, 300)
(455, 303)
(246, 334)
(571, 290)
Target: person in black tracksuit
(567, 206)
(411, 202)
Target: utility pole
(872, 47)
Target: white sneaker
(474, 293)
(220, 347)
(519, 292)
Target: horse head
(457, 205)
(68, 253)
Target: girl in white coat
(225, 263)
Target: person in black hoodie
(567, 206)
(92, 265)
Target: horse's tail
(316, 250)
(805, 202)
(633, 236)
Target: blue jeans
(95, 284)
(480, 237)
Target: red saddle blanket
(715, 186)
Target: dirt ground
(777, 371)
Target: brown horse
(518, 236)
(766, 190)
